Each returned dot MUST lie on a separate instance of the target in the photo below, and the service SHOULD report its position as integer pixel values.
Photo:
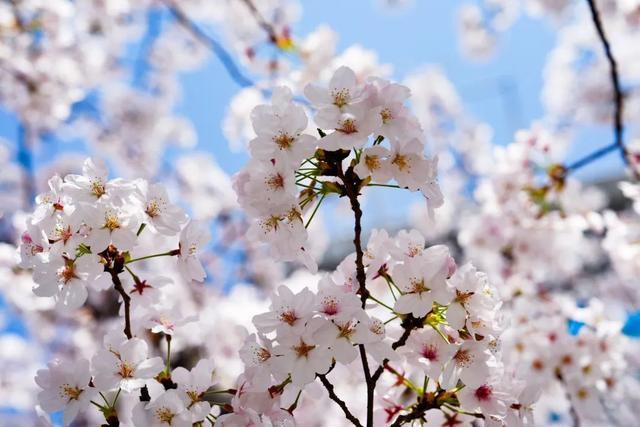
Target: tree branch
(117, 284)
(591, 157)
(267, 27)
(218, 50)
(615, 81)
(416, 413)
(408, 324)
(327, 384)
(351, 188)
(25, 158)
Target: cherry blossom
(65, 387)
(126, 366)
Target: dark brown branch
(615, 81)
(416, 413)
(266, 26)
(408, 324)
(327, 384)
(352, 189)
(117, 284)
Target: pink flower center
(430, 352)
(483, 393)
(348, 126)
(330, 306)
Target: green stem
(390, 282)
(228, 390)
(393, 294)
(380, 302)
(443, 336)
(104, 398)
(133, 275)
(115, 400)
(304, 175)
(393, 318)
(384, 185)
(294, 405)
(404, 379)
(169, 253)
(310, 187)
(460, 411)
(315, 210)
(309, 161)
(96, 405)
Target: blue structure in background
(632, 326)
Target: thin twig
(25, 158)
(415, 414)
(327, 384)
(266, 26)
(615, 81)
(591, 157)
(409, 324)
(218, 50)
(117, 284)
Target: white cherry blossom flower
(303, 355)
(350, 129)
(279, 128)
(341, 95)
(92, 184)
(407, 165)
(422, 281)
(165, 319)
(334, 302)
(67, 279)
(166, 410)
(259, 358)
(65, 387)
(372, 161)
(126, 366)
(487, 397)
(110, 225)
(470, 364)
(193, 239)
(159, 212)
(288, 313)
(192, 385)
(428, 350)
(342, 335)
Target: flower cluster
(84, 230)
(85, 233)
(124, 372)
(576, 355)
(447, 319)
(526, 218)
(364, 124)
